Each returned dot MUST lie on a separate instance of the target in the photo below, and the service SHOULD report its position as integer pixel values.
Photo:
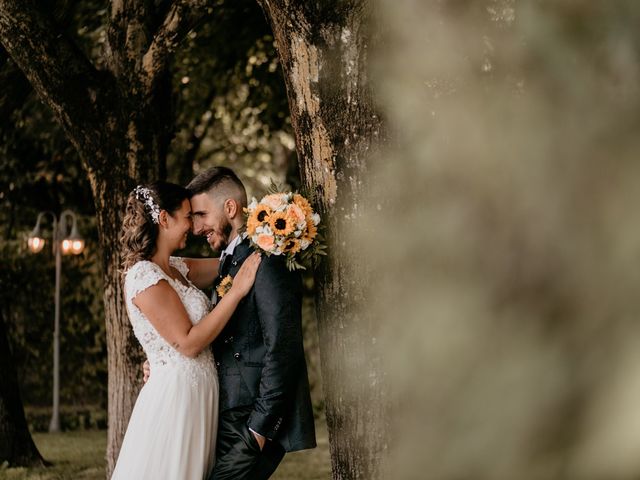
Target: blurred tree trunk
(323, 48)
(120, 122)
(16, 445)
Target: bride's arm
(164, 309)
(202, 271)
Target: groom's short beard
(226, 231)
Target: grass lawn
(75, 455)
(80, 456)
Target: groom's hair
(219, 181)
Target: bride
(172, 430)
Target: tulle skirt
(172, 430)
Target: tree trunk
(124, 354)
(16, 445)
(323, 51)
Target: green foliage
(27, 300)
(231, 104)
(40, 171)
(72, 417)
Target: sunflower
(252, 225)
(262, 212)
(257, 217)
(311, 231)
(281, 223)
(225, 286)
(292, 246)
(303, 203)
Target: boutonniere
(225, 286)
(284, 223)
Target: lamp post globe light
(62, 244)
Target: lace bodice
(143, 275)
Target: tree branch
(59, 72)
(128, 34)
(181, 17)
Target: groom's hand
(260, 439)
(146, 369)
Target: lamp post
(63, 244)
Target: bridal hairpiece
(143, 194)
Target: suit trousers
(238, 455)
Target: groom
(265, 407)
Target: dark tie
(223, 264)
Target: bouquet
(285, 224)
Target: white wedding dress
(172, 430)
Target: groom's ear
(231, 207)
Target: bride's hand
(146, 371)
(245, 277)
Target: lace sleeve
(141, 276)
(179, 264)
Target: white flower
(275, 201)
(264, 229)
(316, 218)
(143, 194)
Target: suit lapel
(232, 262)
(240, 253)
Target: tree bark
(323, 49)
(16, 445)
(120, 122)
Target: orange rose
(295, 212)
(266, 242)
(303, 203)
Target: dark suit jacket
(260, 356)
